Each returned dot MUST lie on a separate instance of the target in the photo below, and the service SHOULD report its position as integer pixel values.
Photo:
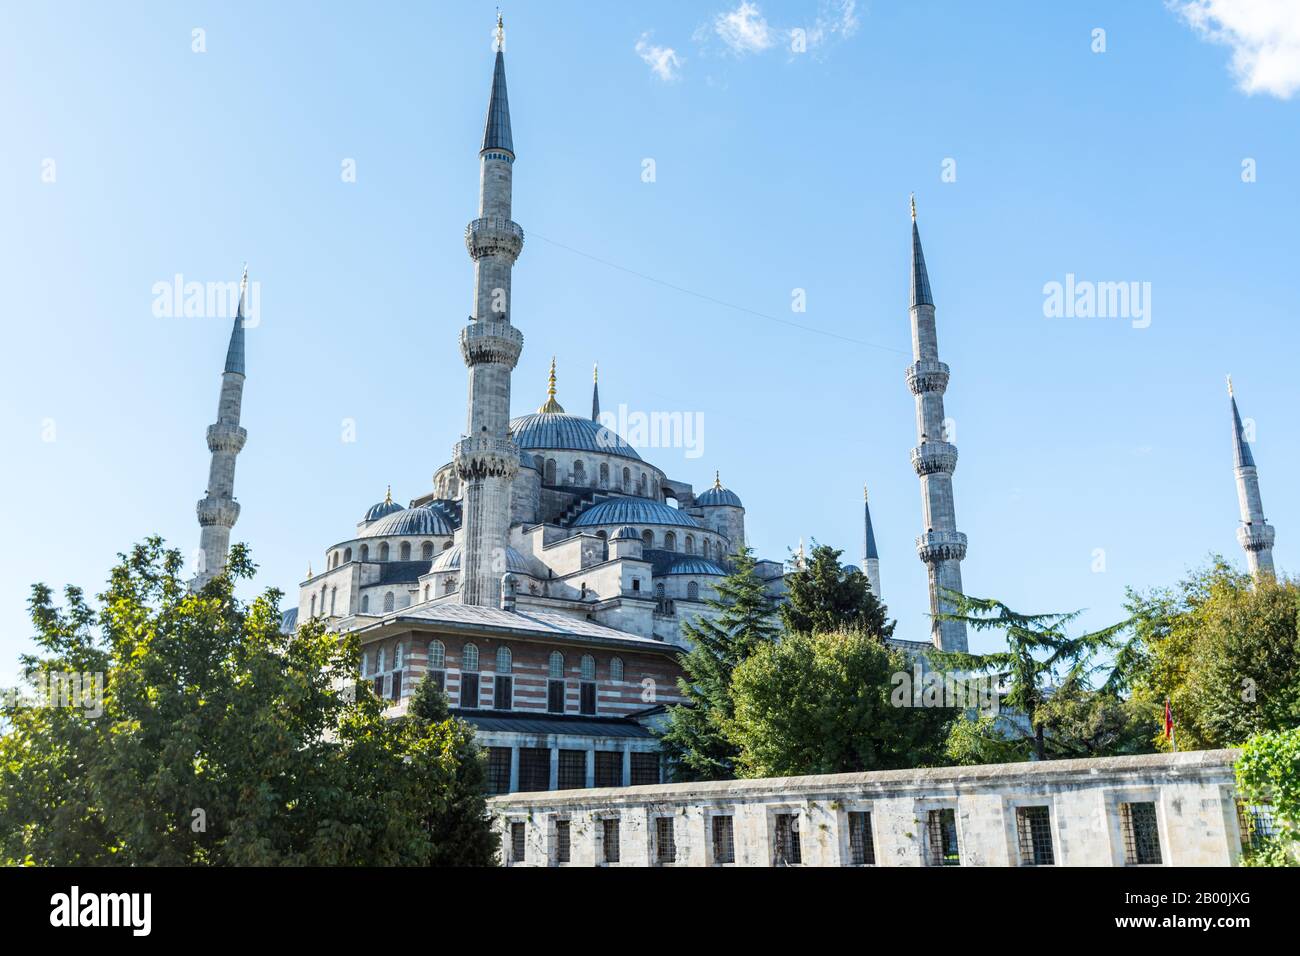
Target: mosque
(545, 578)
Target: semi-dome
(544, 431)
(695, 566)
(628, 511)
(386, 507)
(449, 560)
(625, 532)
(718, 495)
(423, 520)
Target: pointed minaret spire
(551, 406)
(496, 131)
(942, 547)
(217, 510)
(595, 392)
(1255, 535)
(870, 556)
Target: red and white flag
(1169, 725)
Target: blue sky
(775, 171)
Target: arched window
(397, 656)
(604, 474)
(334, 593)
(383, 551)
(379, 660)
(693, 591)
(365, 604)
(588, 667)
(313, 605)
(627, 479)
(426, 551)
(334, 560)
(670, 541)
(640, 484)
(437, 656)
(659, 591)
(406, 551)
(555, 665)
(347, 555)
(426, 592)
(365, 659)
(587, 688)
(539, 463)
(616, 668)
(448, 586)
(446, 546)
(579, 472)
(365, 552)
(690, 544)
(648, 538)
(706, 547)
(504, 660)
(469, 658)
(550, 471)
(388, 602)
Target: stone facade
(1165, 809)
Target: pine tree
(694, 742)
(825, 596)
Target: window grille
(534, 768)
(503, 692)
(862, 849)
(588, 667)
(645, 769)
(561, 841)
(498, 770)
(517, 842)
(609, 838)
(504, 660)
(665, 845)
(788, 850)
(469, 658)
(555, 665)
(724, 843)
(468, 690)
(437, 655)
(1033, 825)
(555, 696)
(616, 668)
(573, 769)
(942, 833)
(609, 768)
(1141, 833)
(1256, 823)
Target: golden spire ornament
(1230, 386)
(501, 31)
(717, 481)
(913, 201)
(864, 491)
(388, 496)
(552, 407)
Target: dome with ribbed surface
(719, 496)
(634, 511)
(449, 560)
(551, 430)
(626, 532)
(416, 521)
(382, 510)
(695, 566)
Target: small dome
(622, 511)
(695, 566)
(386, 507)
(413, 521)
(625, 533)
(449, 560)
(718, 495)
(850, 568)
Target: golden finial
(501, 31)
(864, 491)
(308, 570)
(388, 496)
(595, 372)
(551, 406)
(243, 282)
(1230, 386)
(913, 200)
(717, 481)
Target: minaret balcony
(934, 457)
(936, 546)
(485, 457)
(1255, 537)
(226, 437)
(494, 237)
(491, 340)
(927, 375)
(217, 512)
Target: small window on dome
(426, 551)
(406, 551)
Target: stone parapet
(485, 457)
(934, 546)
(934, 457)
(491, 340)
(927, 375)
(494, 237)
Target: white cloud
(663, 60)
(744, 30)
(1264, 36)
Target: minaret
(870, 556)
(217, 510)
(486, 458)
(942, 546)
(595, 393)
(1255, 534)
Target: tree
(822, 703)
(1039, 654)
(824, 595)
(743, 620)
(1224, 650)
(213, 738)
(1268, 773)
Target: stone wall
(1182, 802)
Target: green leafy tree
(824, 595)
(219, 740)
(1268, 772)
(822, 703)
(1039, 654)
(742, 620)
(1224, 650)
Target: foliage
(1226, 653)
(821, 703)
(694, 743)
(222, 740)
(824, 595)
(1268, 772)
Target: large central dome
(551, 430)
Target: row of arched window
(469, 661)
(623, 480)
(669, 542)
(385, 553)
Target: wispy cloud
(835, 18)
(744, 29)
(1264, 36)
(662, 60)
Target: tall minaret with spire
(487, 458)
(1254, 534)
(942, 547)
(217, 510)
(870, 556)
